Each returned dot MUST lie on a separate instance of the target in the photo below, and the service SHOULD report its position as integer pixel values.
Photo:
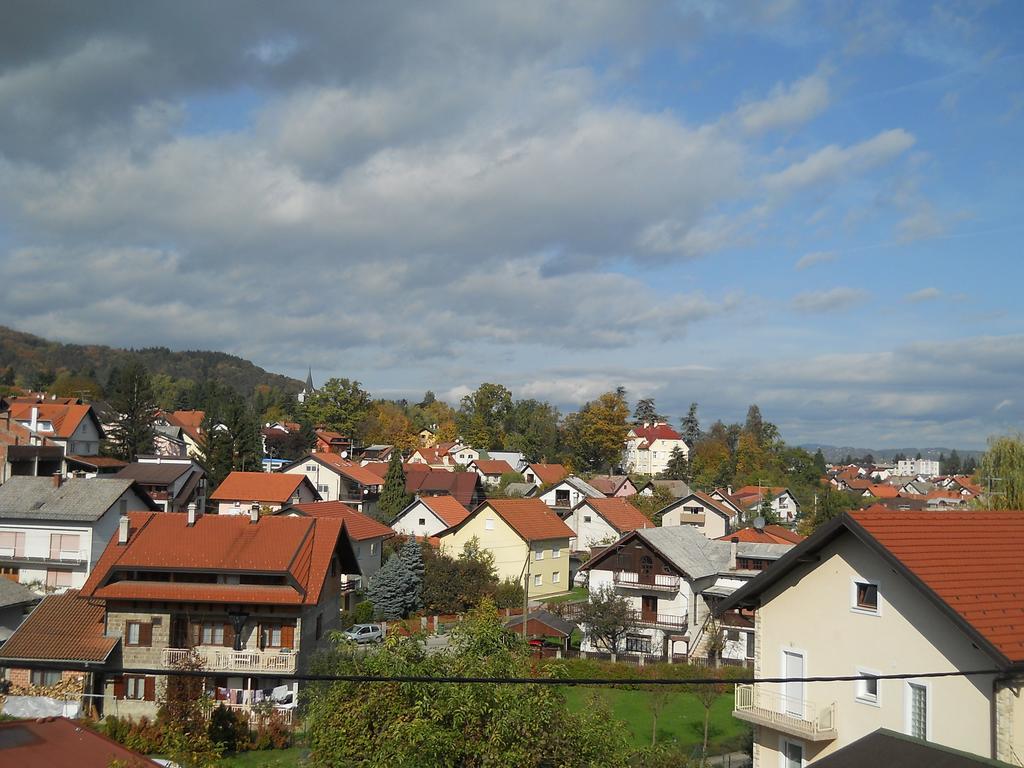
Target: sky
(815, 207)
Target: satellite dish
(759, 523)
(344, 454)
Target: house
(678, 488)
(521, 490)
(529, 543)
(568, 493)
(241, 490)
(71, 425)
(875, 593)
(490, 470)
(784, 505)
(649, 448)
(731, 503)
(189, 426)
(464, 487)
(377, 452)
(545, 474)
(57, 742)
(52, 531)
(427, 516)
(366, 534)
(329, 441)
(426, 437)
(888, 747)
(543, 625)
(63, 639)
(338, 479)
(710, 516)
(92, 466)
(599, 522)
(252, 597)
(16, 600)
(672, 577)
(614, 485)
(172, 482)
(515, 459)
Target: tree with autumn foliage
(596, 434)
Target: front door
(649, 608)
(794, 671)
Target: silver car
(365, 633)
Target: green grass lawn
(681, 722)
(578, 594)
(267, 758)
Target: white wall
(327, 482)
(590, 528)
(408, 523)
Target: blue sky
(811, 206)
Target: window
(556, 552)
(539, 554)
(865, 596)
(917, 710)
(867, 687)
(45, 677)
(586, 518)
(562, 498)
(373, 547)
(12, 544)
(58, 579)
(277, 635)
(213, 633)
(732, 635)
(538, 580)
(311, 467)
(139, 687)
(132, 633)
(792, 754)
(638, 644)
(423, 521)
(321, 488)
(750, 645)
(489, 524)
(556, 577)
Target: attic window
(865, 597)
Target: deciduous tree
(606, 617)
(596, 434)
(340, 404)
(1002, 469)
(483, 415)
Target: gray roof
(762, 551)
(525, 490)
(13, 593)
(698, 556)
(583, 487)
(677, 488)
(152, 473)
(37, 498)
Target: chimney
(728, 489)
(57, 479)
(734, 546)
(34, 419)
(191, 514)
(254, 512)
(122, 530)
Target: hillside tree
(130, 394)
(483, 416)
(341, 405)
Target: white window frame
(783, 741)
(908, 698)
(556, 553)
(538, 554)
(861, 695)
(556, 577)
(488, 523)
(135, 687)
(538, 580)
(877, 611)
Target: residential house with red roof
(765, 534)
(464, 487)
(329, 441)
(613, 485)
(173, 482)
(545, 474)
(529, 542)
(710, 516)
(366, 534)
(187, 427)
(252, 598)
(783, 503)
(568, 493)
(239, 491)
(339, 479)
(649, 447)
(599, 522)
(490, 470)
(427, 516)
(875, 593)
(71, 425)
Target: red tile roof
(657, 432)
(754, 490)
(493, 466)
(971, 560)
(461, 485)
(549, 474)
(65, 418)
(882, 491)
(620, 514)
(772, 534)
(532, 519)
(348, 468)
(300, 547)
(189, 421)
(358, 525)
(258, 486)
(447, 508)
(56, 742)
(62, 627)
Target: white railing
(657, 581)
(229, 660)
(795, 716)
(64, 556)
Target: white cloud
(924, 294)
(832, 300)
(816, 257)
(786, 105)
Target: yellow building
(529, 542)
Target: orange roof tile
(883, 491)
(258, 486)
(64, 417)
(56, 742)
(772, 534)
(493, 466)
(971, 560)
(358, 525)
(447, 508)
(348, 468)
(532, 519)
(619, 513)
(62, 627)
(301, 547)
(549, 474)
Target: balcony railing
(66, 556)
(659, 581)
(227, 660)
(661, 620)
(795, 717)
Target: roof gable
(619, 513)
(260, 486)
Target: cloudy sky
(815, 207)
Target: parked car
(365, 633)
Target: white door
(794, 668)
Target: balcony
(794, 717)
(658, 581)
(660, 620)
(63, 557)
(216, 659)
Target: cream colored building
(529, 542)
(709, 516)
(890, 593)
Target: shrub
(363, 612)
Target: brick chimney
(58, 478)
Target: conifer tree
(393, 498)
(388, 589)
(411, 556)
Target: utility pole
(526, 586)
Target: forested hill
(32, 361)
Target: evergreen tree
(393, 498)
(130, 394)
(645, 412)
(766, 510)
(411, 556)
(388, 589)
(970, 466)
(953, 464)
(678, 467)
(690, 426)
(819, 462)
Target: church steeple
(309, 380)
